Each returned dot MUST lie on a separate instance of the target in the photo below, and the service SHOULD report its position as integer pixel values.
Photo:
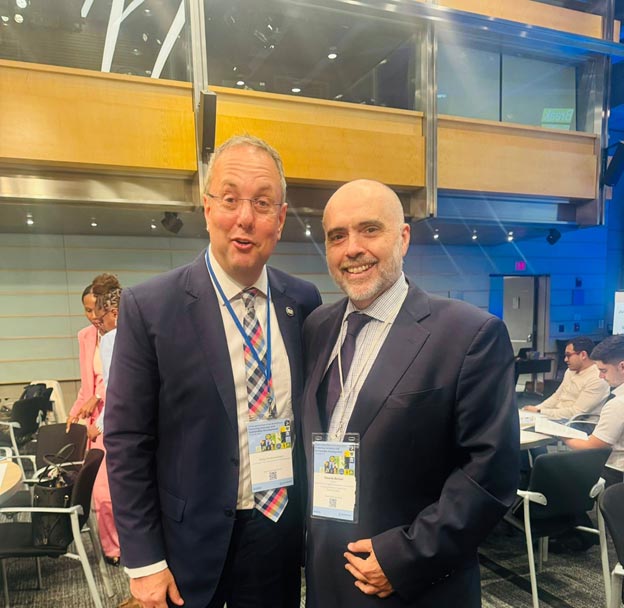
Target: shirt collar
(384, 307)
(618, 390)
(231, 287)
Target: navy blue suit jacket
(439, 452)
(171, 430)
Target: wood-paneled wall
(81, 119)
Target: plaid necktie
(261, 401)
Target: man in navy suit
(428, 397)
(192, 530)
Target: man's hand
(370, 578)
(89, 407)
(152, 590)
(531, 408)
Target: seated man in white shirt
(583, 390)
(609, 432)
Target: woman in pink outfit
(101, 302)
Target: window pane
(468, 82)
(327, 54)
(148, 42)
(539, 93)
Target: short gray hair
(247, 140)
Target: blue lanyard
(266, 369)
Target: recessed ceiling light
(262, 84)
(474, 236)
(296, 90)
(332, 55)
(147, 11)
(240, 83)
(18, 18)
(145, 37)
(153, 225)
(93, 224)
(148, 72)
(436, 234)
(21, 3)
(5, 19)
(158, 41)
(29, 219)
(136, 52)
(308, 229)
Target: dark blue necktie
(355, 323)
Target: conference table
(10, 479)
(531, 439)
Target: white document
(528, 418)
(543, 425)
(3, 468)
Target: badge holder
(335, 490)
(270, 454)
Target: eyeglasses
(261, 205)
(567, 355)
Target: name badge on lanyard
(336, 475)
(270, 454)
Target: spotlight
(510, 236)
(553, 236)
(153, 224)
(93, 223)
(436, 234)
(308, 230)
(29, 219)
(474, 236)
(171, 222)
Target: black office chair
(51, 439)
(26, 417)
(17, 539)
(562, 487)
(611, 505)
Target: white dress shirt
(610, 428)
(367, 346)
(581, 392)
(280, 366)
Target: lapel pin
(290, 311)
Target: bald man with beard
(429, 393)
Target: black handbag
(54, 489)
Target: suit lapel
(290, 328)
(402, 345)
(203, 308)
(324, 340)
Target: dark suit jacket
(171, 423)
(439, 452)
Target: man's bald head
(370, 190)
(365, 239)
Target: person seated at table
(609, 432)
(583, 391)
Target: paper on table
(543, 425)
(3, 468)
(528, 418)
